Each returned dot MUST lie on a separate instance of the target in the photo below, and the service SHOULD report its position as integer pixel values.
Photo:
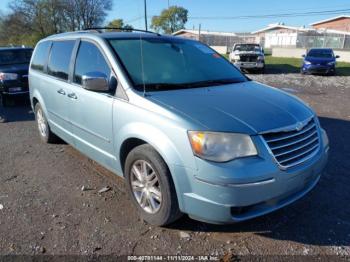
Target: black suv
(14, 63)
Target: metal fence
(301, 40)
(325, 40)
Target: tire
(45, 132)
(158, 209)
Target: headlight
(8, 76)
(307, 62)
(331, 63)
(236, 57)
(260, 57)
(324, 138)
(221, 147)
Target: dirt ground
(43, 209)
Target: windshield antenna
(142, 69)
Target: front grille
(291, 148)
(248, 58)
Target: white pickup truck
(248, 57)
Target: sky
(132, 11)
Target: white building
(279, 35)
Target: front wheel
(150, 186)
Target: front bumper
(247, 187)
(14, 87)
(318, 69)
(250, 65)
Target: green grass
(275, 65)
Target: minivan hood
(248, 107)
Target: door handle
(61, 92)
(72, 95)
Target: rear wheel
(44, 129)
(150, 186)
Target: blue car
(319, 61)
(186, 129)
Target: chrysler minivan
(186, 129)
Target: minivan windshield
(12, 57)
(167, 63)
(326, 53)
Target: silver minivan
(186, 129)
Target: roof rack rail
(98, 29)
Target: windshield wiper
(168, 86)
(159, 86)
(213, 82)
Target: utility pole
(145, 4)
(199, 32)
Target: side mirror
(337, 56)
(303, 56)
(95, 81)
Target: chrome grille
(291, 148)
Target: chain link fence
(335, 41)
(301, 40)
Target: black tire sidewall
(169, 210)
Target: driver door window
(89, 59)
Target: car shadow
(343, 70)
(281, 69)
(18, 110)
(320, 218)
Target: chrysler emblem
(299, 126)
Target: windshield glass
(10, 57)
(320, 53)
(247, 47)
(163, 63)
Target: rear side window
(40, 56)
(61, 53)
(89, 59)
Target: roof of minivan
(108, 35)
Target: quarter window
(89, 59)
(61, 53)
(40, 56)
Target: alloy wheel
(146, 186)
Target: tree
(32, 20)
(119, 23)
(170, 20)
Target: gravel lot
(43, 209)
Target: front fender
(169, 146)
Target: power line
(297, 14)
(329, 12)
